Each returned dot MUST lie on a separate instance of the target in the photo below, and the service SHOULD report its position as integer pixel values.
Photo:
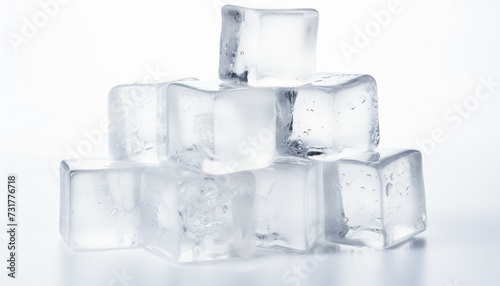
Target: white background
(429, 60)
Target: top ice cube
(268, 47)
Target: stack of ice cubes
(275, 156)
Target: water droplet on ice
(388, 189)
(112, 212)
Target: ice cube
(99, 204)
(287, 210)
(194, 217)
(137, 122)
(221, 128)
(374, 199)
(335, 116)
(268, 47)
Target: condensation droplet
(112, 212)
(388, 189)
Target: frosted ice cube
(192, 217)
(137, 122)
(335, 116)
(375, 199)
(99, 204)
(268, 47)
(221, 129)
(287, 209)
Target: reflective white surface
(452, 249)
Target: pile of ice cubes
(275, 157)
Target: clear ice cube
(287, 209)
(137, 122)
(268, 47)
(374, 199)
(335, 116)
(193, 217)
(221, 128)
(99, 204)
